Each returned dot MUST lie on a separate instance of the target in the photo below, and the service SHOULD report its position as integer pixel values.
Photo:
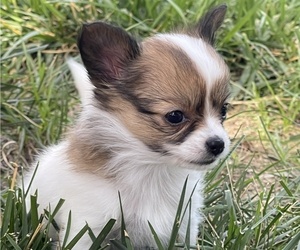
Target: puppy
(152, 116)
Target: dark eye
(224, 111)
(175, 117)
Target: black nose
(215, 145)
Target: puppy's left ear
(211, 22)
(106, 51)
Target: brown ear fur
(105, 51)
(211, 22)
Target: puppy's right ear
(211, 22)
(106, 51)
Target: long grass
(252, 199)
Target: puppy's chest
(156, 202)
(146, 199)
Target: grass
(252, 200)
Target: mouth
(204, 162)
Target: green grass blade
(178, 10)
(176, 223)
(68, 228)
(56, 209)
(118, 245)
(242, 21)
(78, 236)
(21, 53)
(31, 180)
(270, 139)
(13, 243)
(232, 214)
(103, 234)
(34, 211)
(286, 188)
(123, 226)
(92, 235)
(9, 205)
(20, 41)
(188, 229)
(266, 206)
(275, 220)
(156, 238)
(294, 243)
(46, 245)
(264, 218)
(128, 242)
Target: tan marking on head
(173, 74)
(162, 80)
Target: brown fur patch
(162, 80)
(219, 94)
(83, 154)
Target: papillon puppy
(152, 116)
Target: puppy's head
(170, 91)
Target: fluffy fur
(152, 115)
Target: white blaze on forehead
(208, 63)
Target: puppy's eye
(224, 111)
(175, 117)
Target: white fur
(208, 62)
(192, 149)
(150, 183)
(82, 81)
(149, 188)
